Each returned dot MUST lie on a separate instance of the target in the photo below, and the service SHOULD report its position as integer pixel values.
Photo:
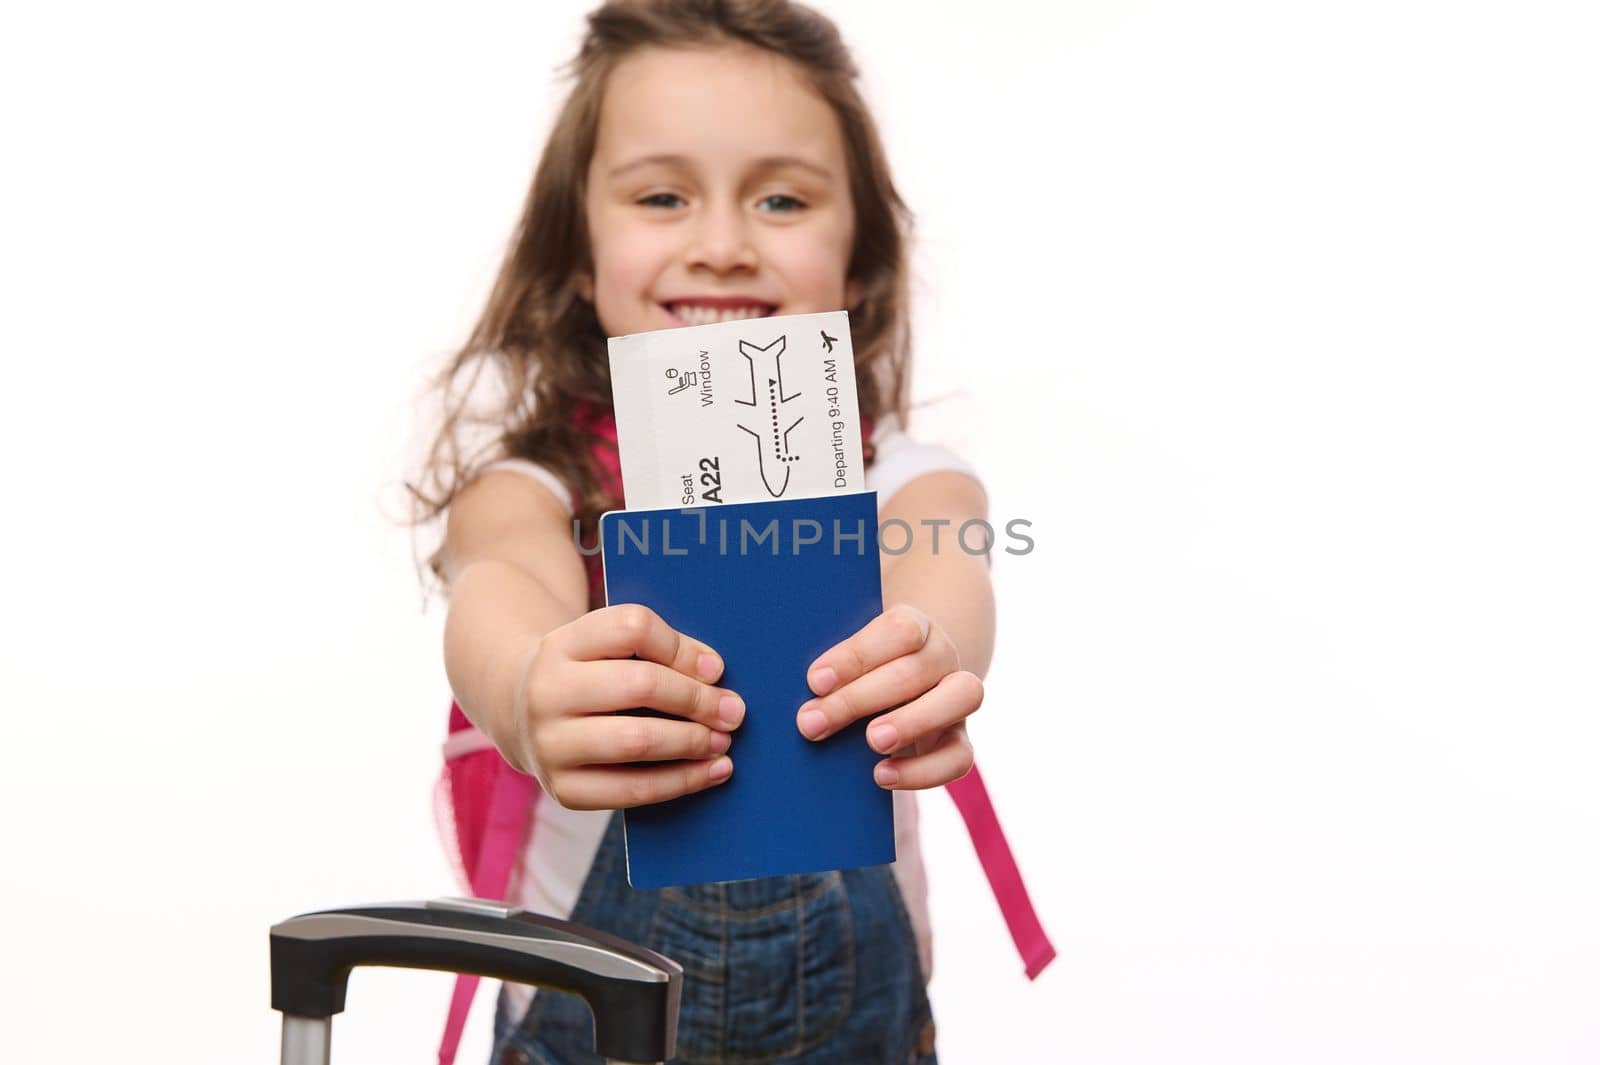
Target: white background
(1277, 320)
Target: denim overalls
(819, 968)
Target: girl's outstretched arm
(513, 576)
(541, 676)
(919, 664)
(947, 583)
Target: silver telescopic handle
(633, 993)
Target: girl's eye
(651, 200)
(793, 204)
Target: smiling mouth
(690, 313)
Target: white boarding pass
(737, 412)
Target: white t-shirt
(550, 873)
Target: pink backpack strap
(505, 833)
(1005, 879)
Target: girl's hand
(617, 658)
(902, 662)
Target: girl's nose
(721, 240)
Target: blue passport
(770, 585)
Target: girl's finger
(632, 629)
(619, 738)
(954, 699)
(624, 787)
(889, 685)
(950, 759)
(900, 630)
(630, 684)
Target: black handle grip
(632, 992)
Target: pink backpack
(484, 807)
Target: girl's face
(718, 189)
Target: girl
(713, 160)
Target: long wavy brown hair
(539, 343)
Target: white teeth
(691, 314)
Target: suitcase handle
(632, 992)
